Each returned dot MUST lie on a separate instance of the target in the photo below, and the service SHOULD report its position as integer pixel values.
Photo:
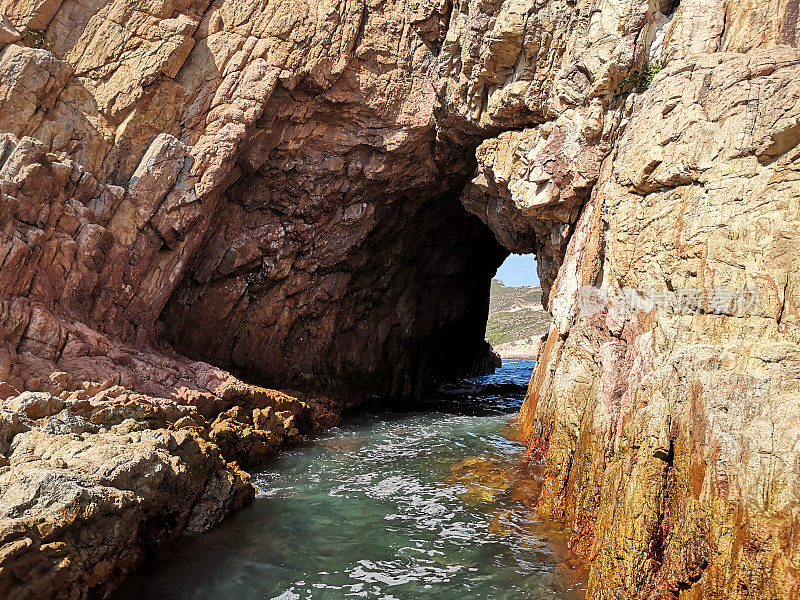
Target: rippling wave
(376, 509)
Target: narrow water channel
(392, 506)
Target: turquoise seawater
(366, 511)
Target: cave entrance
(517, 320)
(387, 296)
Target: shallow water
(376, 509)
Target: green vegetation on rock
(515, 314)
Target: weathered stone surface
(78, 510)
(84, 492)
(670, 432)
(652, 425)
(279, 188)
(193, 155)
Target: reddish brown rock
(279, 189)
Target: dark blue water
(393, 506)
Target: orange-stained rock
(669, 429)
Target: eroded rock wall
(258, 184)
(666, 407)
(244, 160)
(664, 403)
(279, 189)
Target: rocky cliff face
(257, 184)
(665, 405)
(278, 188)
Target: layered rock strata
(258, 186)
(279, 189)
(659, 192)
(665, 404)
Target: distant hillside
(516, 320)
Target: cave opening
(392, 299)
(424, 299)
(517, 320)
(341, 260)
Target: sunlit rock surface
(665, 404)
(279, 189)
(254, 184)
